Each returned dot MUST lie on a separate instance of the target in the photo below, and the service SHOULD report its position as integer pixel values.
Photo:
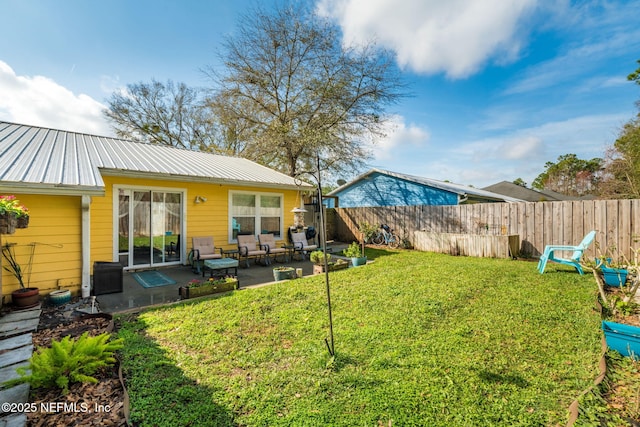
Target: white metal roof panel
(34, 156)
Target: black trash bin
(107, 278)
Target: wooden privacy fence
(479, 245)
(617, 222)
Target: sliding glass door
(149, 227)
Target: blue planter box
(625, 339)
(358, 261)
(614, 276)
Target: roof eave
(50, 189)
(204, 179)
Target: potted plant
(22, 217)
(284, 273)
(25, 297)
(8, 214)
(197, 288)
(613, 275)
(317, 258)
(354, 251)
(618, 302)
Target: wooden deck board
(8, 373)
(13, 420)
(18, 327)
(17, 394)
(15, 342)
(15, 356)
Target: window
(255, 214)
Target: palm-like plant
(13, 267)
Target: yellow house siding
(208, 218)
(55, 230)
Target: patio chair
(247, 249)
(268, 243)
(574, 260)
(202, 248)
(301, 245)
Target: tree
(520, 182)
(635, 76)
(622, 166)
(570, 176)
(171, 114)
(290, 92)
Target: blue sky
(498, 87)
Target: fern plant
(68, 361)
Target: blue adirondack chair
(574, 260)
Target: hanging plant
(12, 214)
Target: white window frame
(258, 215)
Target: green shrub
(317, 257)
(68, 361)
(353, 251)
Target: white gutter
(86, 246)
(206, 179)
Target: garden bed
(104, 403)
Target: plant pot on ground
(197, 288)
(284, 273)
(318, 260)
(625, 339)
(59, 297)
(614, 276)
(354, 251)
(25, 297)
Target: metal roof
(68, 162)
(461, 190)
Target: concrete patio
(135, 296)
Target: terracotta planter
(25, 298)
(202, 290)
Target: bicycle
(385, 236)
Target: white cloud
(399, 135)
(40, 101)
(430, 36)
(586, 136)
(509, 155)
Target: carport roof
(58, 161)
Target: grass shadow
(154, 381)
(376, 252)
(496, 378)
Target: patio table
(220, 264)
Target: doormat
(152, 279)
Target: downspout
(86, 246)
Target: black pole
(323, 230)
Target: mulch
(100, 404)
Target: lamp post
(323, 234)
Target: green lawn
(421, 339)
